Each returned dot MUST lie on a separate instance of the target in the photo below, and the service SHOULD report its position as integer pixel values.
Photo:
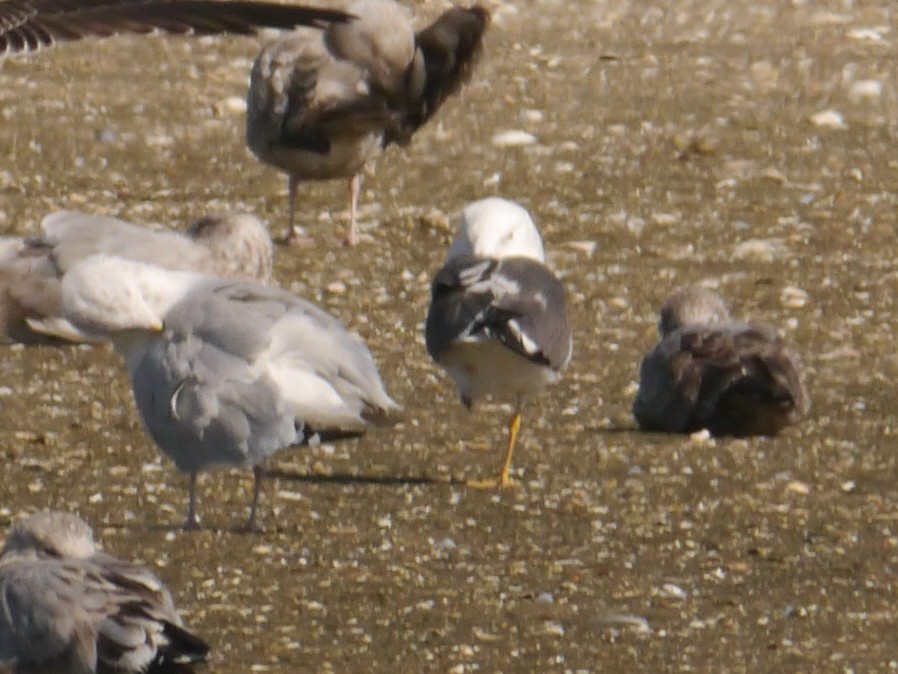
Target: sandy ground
(751, 145)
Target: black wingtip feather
(183, 651)
(29, 26)
(450, 46)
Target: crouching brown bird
(322, 103)
(68, 608)
(711, 372)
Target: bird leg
(291, 238)
(292, 188)
(258, 474)
(503, 479)
(355, 186)
(191, 523)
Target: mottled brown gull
(232, 245)
(29, 25)
(227, 372)
(711, 372)
(67, 608)
(321, 104)
(497, 321)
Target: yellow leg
(503, 480)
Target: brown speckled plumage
(711, 372)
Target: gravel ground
(747, 144)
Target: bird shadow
(354, 478)
(623, 428)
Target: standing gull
(67, 608)
(227, 372)
(322, 103)
(711, 372)
(497, 321)
(31, 269)
(29, 25)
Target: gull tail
(448, 52)
(184, 649)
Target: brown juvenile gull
(497, 321)
(233, 245)
(29, 25)
(227, 372)
(68, 608)
(711, 372)
(322, 103)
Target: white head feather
(497, 228)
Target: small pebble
(673, 591)
(797, 487)
(793, 297)
(865, 90)
(586, 247)
(513, 138)
(829, 119)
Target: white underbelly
(489, 368)
(347, 156)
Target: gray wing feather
(80, 615)
(42, 617)
(215, 388)
(75, 236)
(517, 301)
(31, 269)
(301, 96)
(205, 406)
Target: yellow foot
(489, 483)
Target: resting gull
(227, 372)
(67, 608)
(497, 321)
(29, 25)
(322, 103)
(711, 372)
(232, 245)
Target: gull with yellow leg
(497, 321)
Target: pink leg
(258, 474)
(292, 188)
(355, 186)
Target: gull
(68, 608)
(322, 103)
(233, 245)
(227, 372)
(497, 321)
(711, 372)
(29, 25)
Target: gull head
(691, 305)
(239, 242)
(497, 228)
(52, 532)
(107, 296)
